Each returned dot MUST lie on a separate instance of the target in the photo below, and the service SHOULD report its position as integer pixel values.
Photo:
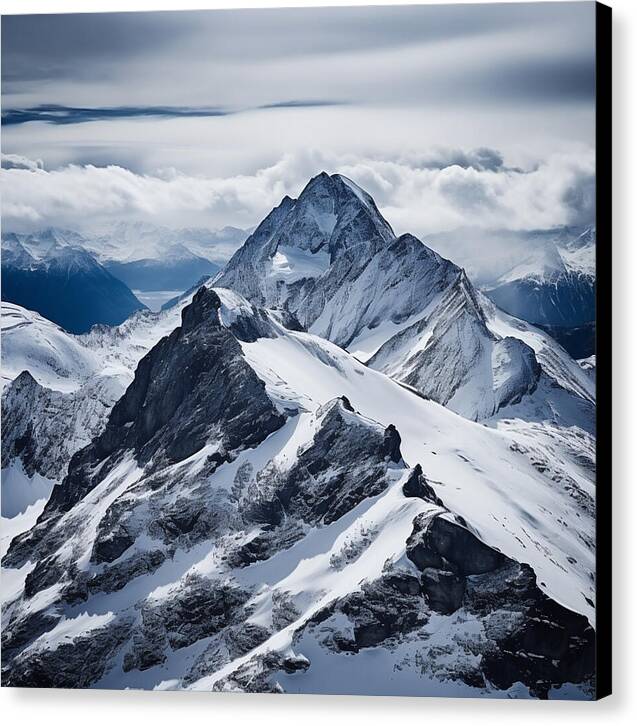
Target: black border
(603, 348)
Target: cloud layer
(443, 190)
(464, 116)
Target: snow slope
(277, 571)
(302, 368)
(55, 358)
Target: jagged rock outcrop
(504, 629)
(189, 391)
(342, 460)
(43, 427)
(192, 383)
(195, 609)
(345, 463)
(61, 664)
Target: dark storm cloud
(544, 79)
(45, 46)
(56, 114)
(72, 115)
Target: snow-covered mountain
(59, 388)
(554, 286)
(51, 274)
(143, 256)
(261, 511)
(331, 260)
(258, 489)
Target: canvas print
(299, 350)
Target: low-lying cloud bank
(426, 193)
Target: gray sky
(210, 117)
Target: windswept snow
(478, 472)
(55, 358)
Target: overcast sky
(448, 115)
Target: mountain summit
(331, 260)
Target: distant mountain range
(555, 283)
(78, 281)
(51, 274)
(148, 257)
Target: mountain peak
(321, 177)
(342, 189)
(205, 304)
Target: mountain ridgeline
(335, 468)
(332, 261)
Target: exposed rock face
(231, 643)
(65, 664)
(346, 462)
(440, 541)
(497, 626)
(388, 607)
(117, 576)
(197, 608)
(444, 590)
(190, 384)
(539, 643)
(44, 428)
(417, 486)
(189, 391)
(522, 635)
